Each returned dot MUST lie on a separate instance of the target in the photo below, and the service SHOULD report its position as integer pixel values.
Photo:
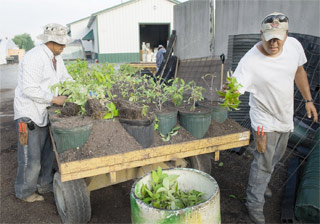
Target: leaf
(155, 177)
(162, 189)
(233, 196)
(149, 192)
(159, 171)
(166, 182)
(147, 200)
(108, 116)
(220, 164)
(173, 177)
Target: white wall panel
(119, 27)
(79, 30)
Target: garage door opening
(152, 35)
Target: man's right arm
(59, 100)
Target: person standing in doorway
(268, 71)
(39, 69)
(160, 56)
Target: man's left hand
(311, 111)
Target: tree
(24, 41)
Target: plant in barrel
(230, 93)
(164, 192)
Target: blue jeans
(34, 161)
(262, 167)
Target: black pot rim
(136, 122)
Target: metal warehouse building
(116, 34)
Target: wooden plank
(80, 173)
(54, 147)
(140, 155)
(217, 156)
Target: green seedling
(58, 111)
(220, 164)
(144, 111)
(173, 132)
(112, 111)
(231, 93)
(196, 94)
(164, 192)
(209, 84)
(156, 123)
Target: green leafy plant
(89, 83)
(111, 112)
(144, 111)
(196, 94)
(156, 92)
(173, 132)
(76, 92)
(230, 93)
(176, 90)
(164, 192)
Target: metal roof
(93, 15)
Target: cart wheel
(201, 162)
(72, 200)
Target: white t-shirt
(270, 81)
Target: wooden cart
(151, 66)
(76, 179)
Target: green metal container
(301, 134)
(196, 123)
(189, 179)
(69, 138)
(167, 121)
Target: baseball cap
(275, 25)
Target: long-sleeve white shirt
(36, 75)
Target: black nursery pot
(141, 130)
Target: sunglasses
(280, 18)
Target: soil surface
(112, 204)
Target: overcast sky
(29, 16)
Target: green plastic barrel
(207, 212)
(69, 138)
(196, 123)
(167, 121)
(307, 207)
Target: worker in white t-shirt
(268, 71)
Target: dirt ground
(111, 204)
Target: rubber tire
(200, 162)
(72, 200)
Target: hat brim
(279, 34)
(57, 39)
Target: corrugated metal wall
(119, 27)
(95, 42)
